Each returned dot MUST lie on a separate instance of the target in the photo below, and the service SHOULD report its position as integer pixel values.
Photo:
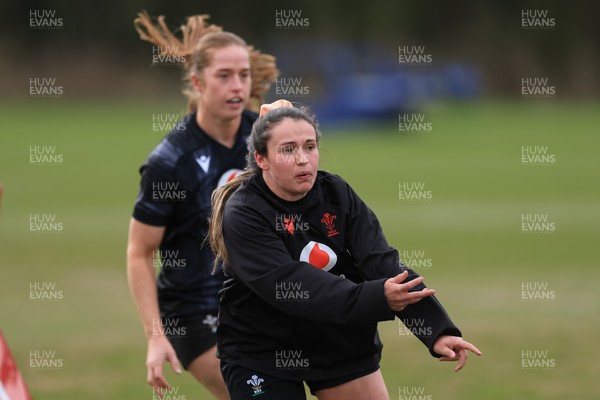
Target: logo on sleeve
(329, 221)
(228, 176)
(319, 255)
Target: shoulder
(247, 121)
(246, 210)
(247, 198)
(250, 199)
(329, 179)
(249, 116)
(333, 187)
(182, 139)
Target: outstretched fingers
(453, 348)
(399, 295)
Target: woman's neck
(221, 130)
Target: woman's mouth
(304, 175)
(235, 100)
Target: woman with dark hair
(309, 274)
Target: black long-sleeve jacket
(304, 287)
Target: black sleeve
(427, 319)
(376, 259)
(150, 206)
(259, 259)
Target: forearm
(142, 284)
(326, 297)
(427, 319)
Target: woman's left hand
(454, 348)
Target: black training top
(280, 315)
(177, 181)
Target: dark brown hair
(257, 142)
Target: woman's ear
(197, 82)
(261, 161)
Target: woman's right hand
(398, 294)
(160, 351)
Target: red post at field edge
(12, 385)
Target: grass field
(469, 236)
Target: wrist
(155, 330)
(157, 337)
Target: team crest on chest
(329, 221)
(319, 255)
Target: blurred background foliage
(97, 52)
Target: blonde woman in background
(223, 78)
